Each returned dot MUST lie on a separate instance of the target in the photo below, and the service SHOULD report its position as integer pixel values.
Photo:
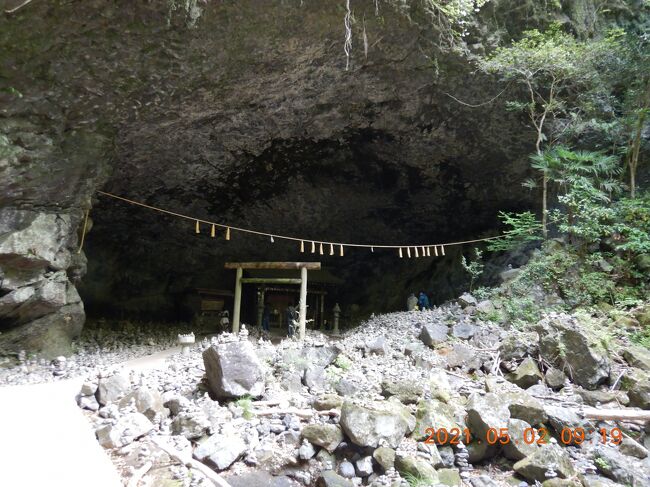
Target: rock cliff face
(244, 115)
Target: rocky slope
(354, 410)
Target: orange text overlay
(540, 436)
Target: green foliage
(524, 228)
(417, 481)
(343, 362)
(246, 403)
(642, 338)
(474, 268)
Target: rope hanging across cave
(316, 246)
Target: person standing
(411, 302)
(423, 301)
(266, 318)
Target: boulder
(483, 480)
(127, 429)
(485, 412)
(526, 374)
(327, 402)
(564, 343)
(372, 423)
(485, 307)
(350, 385)
(314, 377)
(518, 346)
(525, 407)
(433, 414)
(433, 334)
(632, 448)
(555, 378)
(638, 357)
(377, 346)
(113, 388)
(220, 451)
(517, 448)
(618, 467)
(466, 299)
(407, 391)
(449, 476)
(509, 275)
(234, 370)
(464, 357)
(306, 451)
(464, 331)
(534, 467)
(416, 467)
(439, 385)
(560, 417)
(638, 388)
(190, 424)
(480, 450)
(330, 478)
(148, 402)
(385, 457)
(329, 436)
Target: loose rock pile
(356, 411)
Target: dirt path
(46, 440)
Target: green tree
(551, 67)
(474, 268)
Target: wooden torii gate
(239, 280)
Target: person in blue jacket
(423, 301)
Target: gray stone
(534, 467)
(176, 403)
(350, 386)
(306, 451)
(638, 357)
(329, 436)
(327, 402)
(330, 478)
(464, 357)
(314, 377)
(509, 275)
(485, 412)
(564, 343)
(220, 451)
(555, 378)
(88, 402)
(407, 391)
(480, 450)
(638, 388)
(190, 424)
(447, 457)
(147, 401)
(113, 388)
(373, 422)
(439, 386)
(632, 448)
(127, 429)
(466, 300)
(527, 374)
(346, 469)
(449, 476)
(599, 396)
(433, 414)
(485, 307)
(364, 466)
(234, 370)
(560, 417)
(464, 331)
(525, 407)
(618, 467)
(377, 346)
(483, 480)
(433, 334)
(417, 467)
(517, 448)
(385, 457)
(259, 478)
(518, 346)
(88, 389)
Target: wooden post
(260, 306)
(303, 302)
(237, 306)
